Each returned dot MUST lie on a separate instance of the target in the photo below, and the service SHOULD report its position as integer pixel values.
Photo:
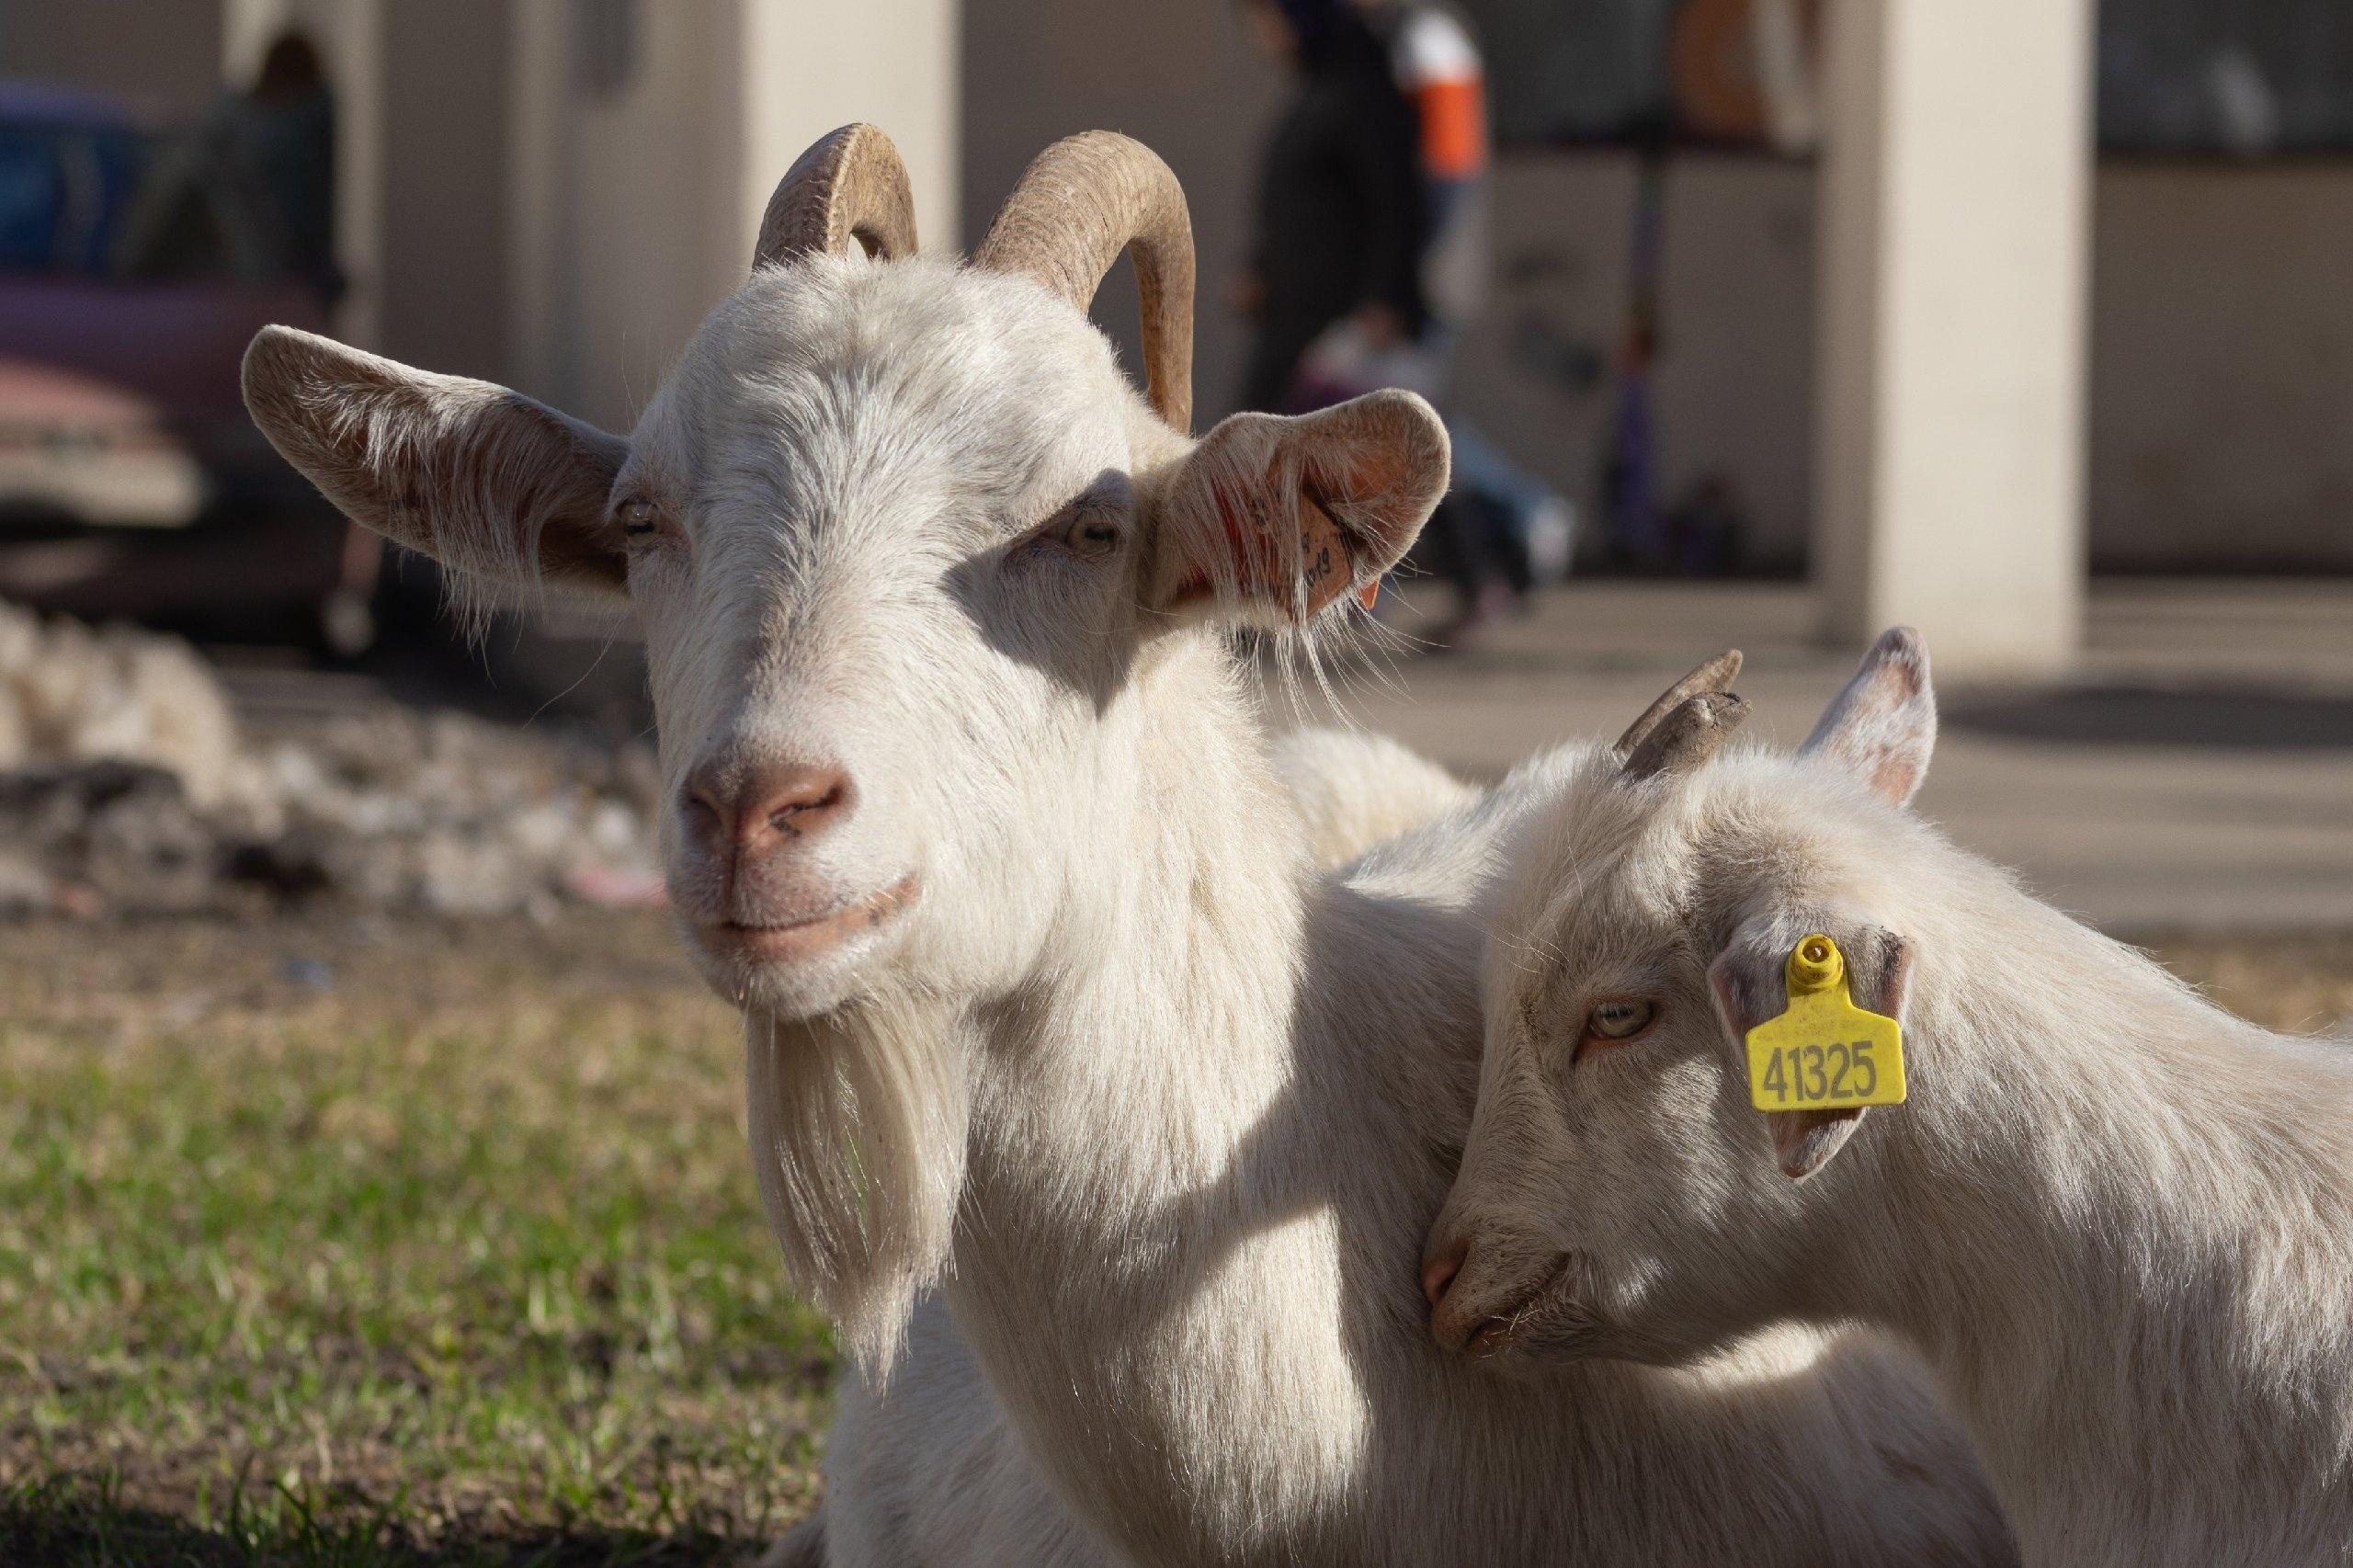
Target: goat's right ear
(1748, 982)
(482, 479)
(1884, 725)
(1272, 519)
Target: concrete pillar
(645, 138)
(1955, 189)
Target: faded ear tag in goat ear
(1325, 568)
(1824, 1052)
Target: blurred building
(2201, 151)
(1952, 358)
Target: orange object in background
(1438, 66)
(1454, 127)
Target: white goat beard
(858, 1128)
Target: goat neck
(2112, 1216)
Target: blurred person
(1438, 69)
(251, 191)
(1335, 284)
(1435, 58)
(280, 133)
(1341, 216)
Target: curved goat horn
(848, 185)
(1081, 202)
(1687, 737)
(1714, 675)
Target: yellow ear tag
(1824, 1052)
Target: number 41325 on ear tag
(1824, 1052)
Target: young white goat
(2116, 1220)
(1046, 1005)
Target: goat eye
(1617, 1021)
(1091, 531)
(638, 519)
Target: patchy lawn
(403, 1242)
(385, 1242)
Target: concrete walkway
(2197, 774)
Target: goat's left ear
(1749, 985)
(1273, 519)
(1884, 725)
(497, 488)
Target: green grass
(454, 1258)
(457, 1258)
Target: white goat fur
(1353, 789)
(1141, 1119)
(2116, 1220)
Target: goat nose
(1439, 1268)
(762, 807)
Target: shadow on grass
(81, 1522)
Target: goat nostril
(757, 808)
(783, 815)
(1438, 1271)
(798, 801)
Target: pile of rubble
(127, 787)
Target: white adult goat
(973, 817)
(2116, 1220)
